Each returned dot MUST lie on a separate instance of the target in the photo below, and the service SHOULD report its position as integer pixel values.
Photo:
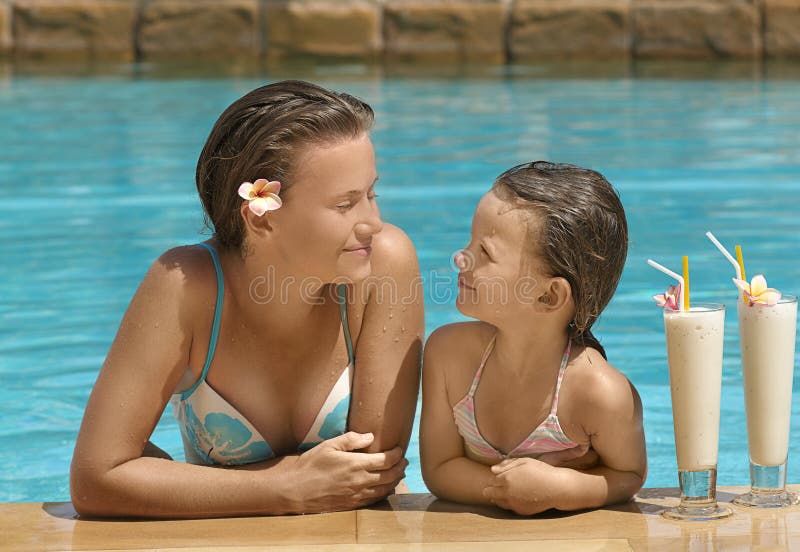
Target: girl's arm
(109, 475)
(613, 414)
(614, 424)
(447, 472)
(390, 343)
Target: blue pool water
(96, 180)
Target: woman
(289, 343)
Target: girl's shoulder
(453, 352)
(595, 383)
(462, 339)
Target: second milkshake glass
(767, 337)
(694, 354)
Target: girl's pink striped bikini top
(547, 437)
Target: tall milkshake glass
(767, 340)
(694, 354)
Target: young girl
(280, 361)
(527, 385)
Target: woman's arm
(109, 475)
(448, 473)
(389, 344)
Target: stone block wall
(445, 31)
(453, 31)
(199, 29)
(78, 28)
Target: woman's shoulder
(185, 273)
(395, 273)
(392, 251)
(184, 265)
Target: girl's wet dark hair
(582, 235)
(261, 135)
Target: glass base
(697, 513)
(698, 497)
(767, 500)
(767, 488)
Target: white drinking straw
(678, 277)
(728, 256)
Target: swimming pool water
(96, 180)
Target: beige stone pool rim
(497, 31)
(413, 522)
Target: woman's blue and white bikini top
(214, 432)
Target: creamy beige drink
(767, 335)
(694, 353)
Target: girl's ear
(254, 225)
(556, 293)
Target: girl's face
(499, 279)
(329, 215)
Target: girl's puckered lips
(463, 283)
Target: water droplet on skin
(396, 339)
(379, 414)
(403, 309)
(156, 324)
(391, 315)
(384, 328)
(359, 403)
(402, 329)
(370, 379)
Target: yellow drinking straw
(686, 283)
(740, 260)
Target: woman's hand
(524, 485)
(331, 477)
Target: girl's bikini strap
(561, 370)
(212, 342)
(478, 373)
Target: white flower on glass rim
(757, 292)
(670, 298)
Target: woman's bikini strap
(212, 342)
(341, 290)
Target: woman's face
(499, 278)
(329, 215)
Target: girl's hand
(581, 457)
(524, 485)
(331, 477)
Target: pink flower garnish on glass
(669, 299)
(757, 292)
(262, 195)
